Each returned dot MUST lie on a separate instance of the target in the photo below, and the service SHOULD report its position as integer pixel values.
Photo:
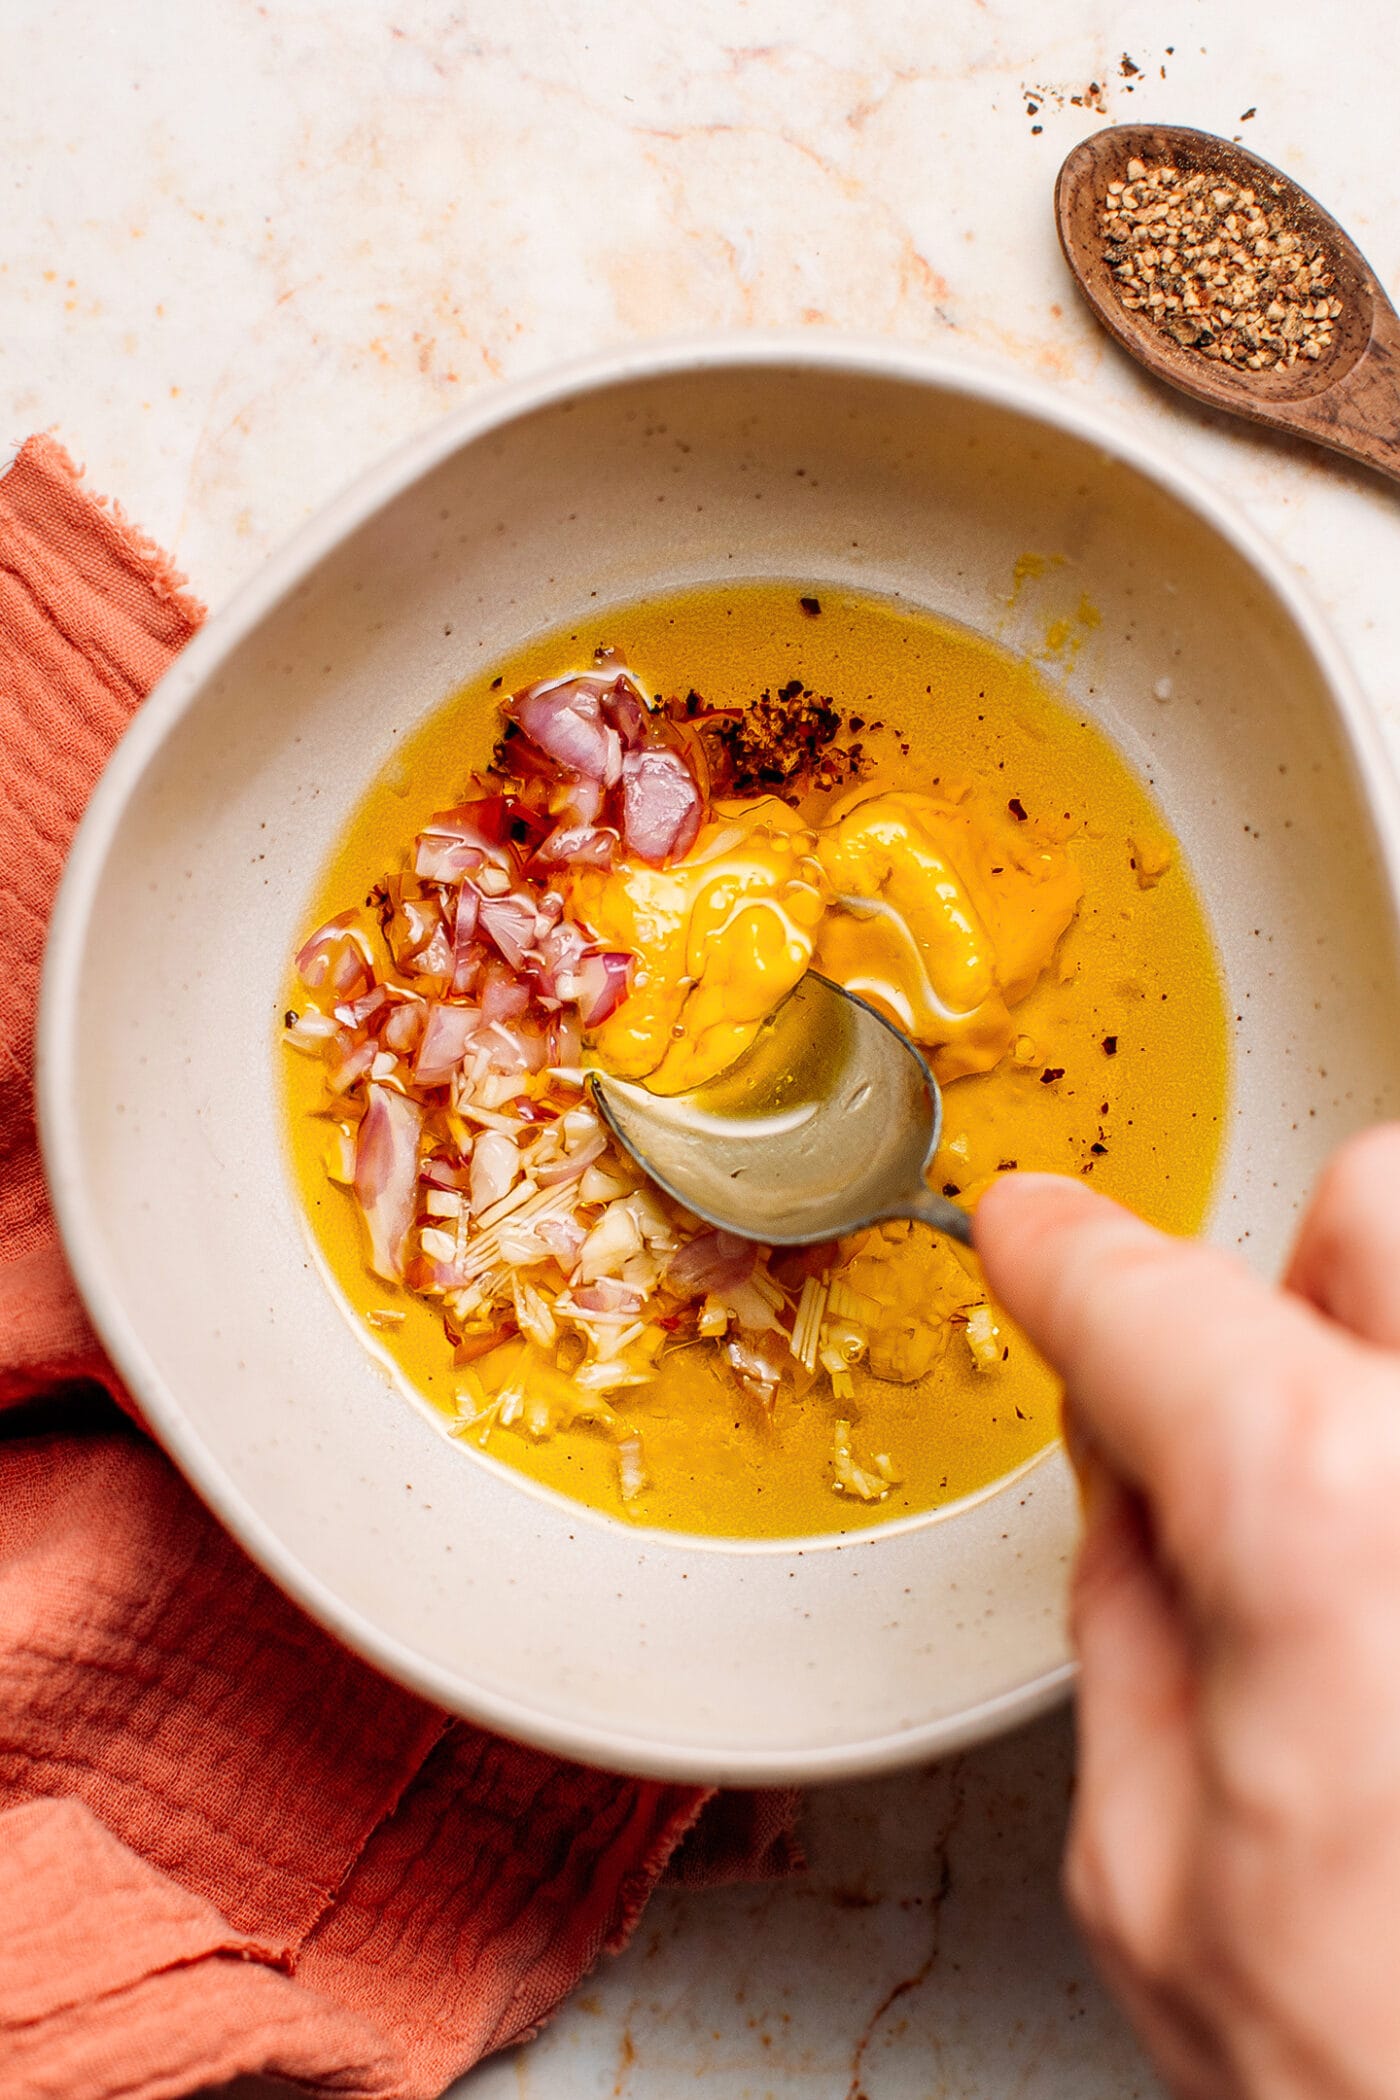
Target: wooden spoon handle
(1359, 414)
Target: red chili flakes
(1110, 1046)
(1051, 1074)
(1017, 809)
(811, 606)
(787, 742)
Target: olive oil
(1118, 1074)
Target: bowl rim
(1374, 780)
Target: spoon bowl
(1347, 399)
(827, 1123)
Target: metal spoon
(827, 1123)
(1349, 398)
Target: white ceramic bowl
(646, 470)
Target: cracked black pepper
(1221, 268)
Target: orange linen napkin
(225, 1844)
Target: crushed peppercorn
(1219, 268)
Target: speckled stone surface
(248, 248)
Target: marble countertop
(249, 247)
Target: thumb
(1177, 1362)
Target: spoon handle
(948, 1218)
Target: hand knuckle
(1331, 1478)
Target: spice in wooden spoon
(1221, 267)
(1227, 280)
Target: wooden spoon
(1349, 398)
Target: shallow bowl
(647, 470)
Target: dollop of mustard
(720, 939)
(939, 909)
(946, 911)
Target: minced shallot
(451, 1015)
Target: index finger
(1183, 1369)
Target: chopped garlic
(771, 1293)
(655, 1227)
(642, 1272)
(312, 1030)
(443, 1203)
(437, 1244)
(714, 1318)
(471, 1394)
(497, 1088)
(1152, 857)
(518, 1197)
(851, 1478)
(482, 1258)
(984, 1338)
(806, 1328)
(520, 1247)
(340, 1156)
(851, 1305)
(615, 1236)
(495, 1165)
(902, 1348)
(507, 1126)
(842, 1343)
(533, 1313)
(631, 1471)
(599, 1185)
(539, 1420)
(579, 1126)
(607, 1377)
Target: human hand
(1234, 1855)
